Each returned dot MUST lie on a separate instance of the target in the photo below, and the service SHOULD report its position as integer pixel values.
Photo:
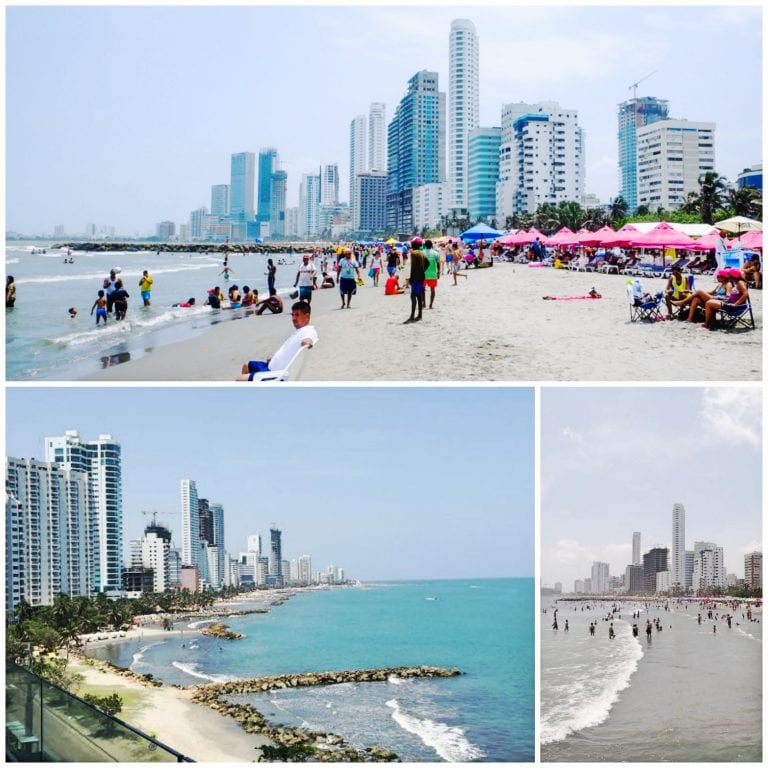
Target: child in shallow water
(100, 305)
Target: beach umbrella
(751, 240)
(595, 238)
(391, 241)
(622, 237)
(480, 232)
(663, 236)
(563, 236)
(739, 224)
(509, 238)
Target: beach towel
(571, 298)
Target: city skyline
(174, 145)
(614, 462)
(359, 477)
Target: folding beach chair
(736, 316)
(643, 306)
(681, 313)
(290, 372)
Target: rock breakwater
(326, 747)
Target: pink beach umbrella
(509, 238)
(751, 240)
(594, 238)
(662, 236)
(622, 237)
(563, 236)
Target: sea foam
(448, 741)
(194, 671)
(583, 706)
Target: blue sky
(125, 116)
(615, 460)
(390, 483)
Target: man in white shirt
(305, 335)
(306, 279)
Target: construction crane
(154, 514)
(633, 87)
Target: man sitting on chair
(305, 335)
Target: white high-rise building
(100, 460)
(600, 576)
(329, 185)
(254, 543)
(309, 205)
(463, 104)
(753, 569)
(47, 533)
(357, 159)
(678, 546)
(636, 548)
(154, 553)
(377, 136)
(190, 524)
(671, 157)
(541, 159)
(708, 566)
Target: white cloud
(569, 552)
(732, 415)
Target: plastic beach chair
(291, 372)
(642, 306)
(733, 316)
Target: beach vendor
(305, 335)
(348, 270)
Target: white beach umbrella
(739, 224)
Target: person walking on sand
(349, 273)
(306, 279)
(145, 286)
(419, 264)
(457, 264)
(432, 272)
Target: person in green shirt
(432, 273)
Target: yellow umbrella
(391, 241)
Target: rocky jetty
(326, 747)
(221, 631)
(101, 246)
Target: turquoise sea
(483, 627)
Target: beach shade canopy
(662, 236)
(622, 237)
(391, 241)
(563, 236)
(739, 224)
(480, 232)
(706, 243)
(750, 240)
(521, 237)
(509, 238)
(595, 238)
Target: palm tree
(711, 194)
(747, 201)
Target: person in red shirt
(392, 286)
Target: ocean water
(483, 627)
(43, 343)
(690, 695)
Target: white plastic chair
(291, 372)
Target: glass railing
(45, 723)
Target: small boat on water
(431, 599)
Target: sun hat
(723, 273)
(735, 273)
(417, 242)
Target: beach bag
(370, 272)
(294, 294)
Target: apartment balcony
(46, 724)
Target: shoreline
(493, 326)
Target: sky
(125, 116)
(388, 483)
(615, 460)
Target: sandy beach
(170, 714)
(493, 326)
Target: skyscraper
(377, 137)
(541, 158)
(357, 159)
(634, 114)
(482, 171)
(753, 569)
(190, 524)
(268, 163)
(636, 548)
(654, 561)
(100, 460)
(600, 575)
(275, 557)
(220, 200)
(708, 566)
(277, 203)
(678, 546)
(47, 533)
(463, 104)
(309, 205)
(242, 186)
(415, 147)
(329, 185)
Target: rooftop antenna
(633, 87)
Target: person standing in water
(145, 286)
